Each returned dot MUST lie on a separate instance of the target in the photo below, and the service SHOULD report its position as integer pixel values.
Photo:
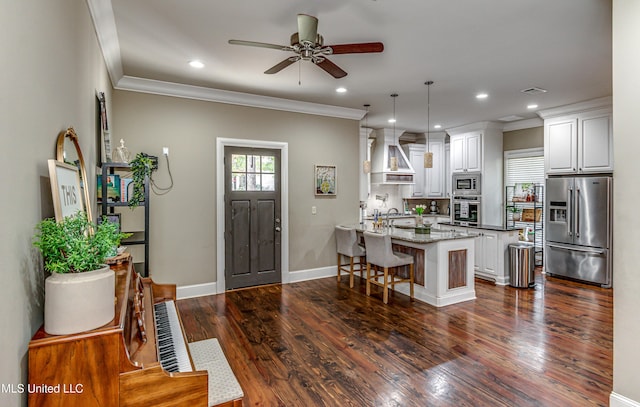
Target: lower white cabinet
(491, 252)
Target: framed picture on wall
(326, 180)
(65, 189)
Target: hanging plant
(141, 167)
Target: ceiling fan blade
(363, 47)
(307, 28)
(332, 69)
(260, 44)
(280, 66)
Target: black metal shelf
(537, 224)
(139, 238)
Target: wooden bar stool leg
(385, 292)
(368, 279)
(351, 274)
(339, 266)
(411, 280)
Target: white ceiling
(465, 46)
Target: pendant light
(366, 164)
(428, 156)
(393, 161)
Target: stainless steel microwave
(466, 184)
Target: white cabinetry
(579, 143)
(491, 254)
(428, 182)
(478, 148)
(466, 152)
(435, 185)
(416, 156)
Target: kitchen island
(443, 262)
(491, 259)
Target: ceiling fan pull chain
(299, 72)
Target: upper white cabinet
(579, 142)
(466, 152)
(416, 156)
(428, 182)
(435, 182)
(477, 147)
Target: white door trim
(221, 143)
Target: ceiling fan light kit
(308, 45)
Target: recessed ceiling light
(196, 64)
(437, 126)
(341, 90)
(532, 106)
(392, 120)
(482, 96)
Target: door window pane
(268, 182)
(268, 163)
(238, 163)
(238, 182)
(252, 172)
(253, 182)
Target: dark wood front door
(252, 217)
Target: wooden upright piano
(141, 358)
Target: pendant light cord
(428, 83)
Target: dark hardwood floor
(319, 343)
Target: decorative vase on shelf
(419, 221)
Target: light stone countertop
(409, 234)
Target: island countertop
(409, 234)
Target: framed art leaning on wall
(65, 189)
(326, 180)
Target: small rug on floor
(223, 385)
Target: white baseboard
(617, 400)
(196, 290)
(200, 290)
(312, 274)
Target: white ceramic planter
(78, 302)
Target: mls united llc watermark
(65, 388)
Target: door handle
(278, 229)
(577, 211)
(570, 213)
(577, 249)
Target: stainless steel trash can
(521, 265)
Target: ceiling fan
(308, 45)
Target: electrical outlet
(313, 210)
(165, 150)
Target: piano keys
(141, 358)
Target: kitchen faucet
(388, 212)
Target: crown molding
(105, 26)
(592, 104)
(235, 98)
(523, 124)
(104, 23)
(475, 127)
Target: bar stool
(347, 246)
(381, 254)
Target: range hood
(385, 147)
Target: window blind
(524, 167)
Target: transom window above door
(252, 172)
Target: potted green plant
(515, 212)
(80, 290)
(141, 167)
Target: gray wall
(522, 139)
(626, 223)
(51, 68)
(183, 223)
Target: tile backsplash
(384, 197)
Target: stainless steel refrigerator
(578, 228)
